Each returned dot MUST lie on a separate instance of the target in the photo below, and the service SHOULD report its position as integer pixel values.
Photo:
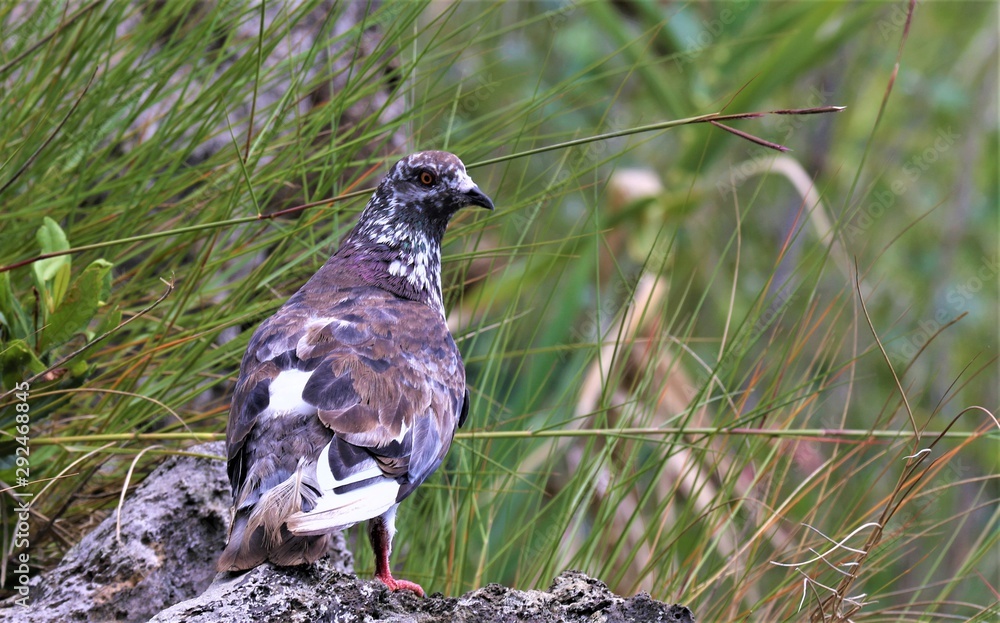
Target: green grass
(708, 391)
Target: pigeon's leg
(380, 531)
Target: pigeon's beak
(476, 197)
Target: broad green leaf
(88, 292)
(60, 284)
(18, 362)
(110, 321)
(51, 239)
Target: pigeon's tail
(247, 550)
(259, 533)
(243, 551)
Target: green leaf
(18, 362)
(78, 367)
(60, 284)
(52, 239)
(91, 290)
(110, 321)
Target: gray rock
(321, 592)
(305, 593)
(173, 528)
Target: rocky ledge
(157, 564)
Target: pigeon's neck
(403, 260)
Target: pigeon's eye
(427, 178)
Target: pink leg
(380, 532)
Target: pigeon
(349, 396)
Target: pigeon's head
(415, 200)
(396, 243)
(430, 186)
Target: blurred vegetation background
(698, 366)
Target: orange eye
(426, 178)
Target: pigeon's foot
(399, 585)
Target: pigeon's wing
(390, 385)
(260, 444)
(273, 439)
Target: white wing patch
(286, 395)
(337, 511)
(340, 511)
(328, 482)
